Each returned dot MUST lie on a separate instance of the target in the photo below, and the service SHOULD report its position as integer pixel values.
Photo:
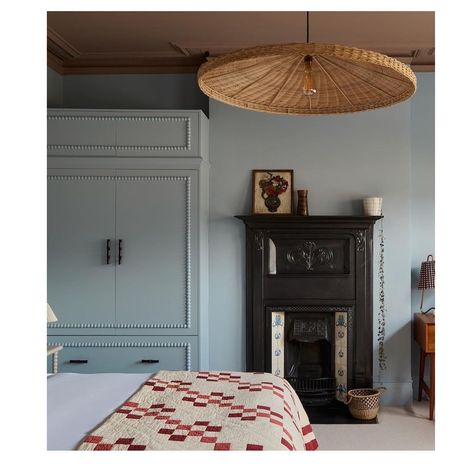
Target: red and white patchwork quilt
(207, 411)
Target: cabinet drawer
(126, 355)
(430, 338)
(425, 331)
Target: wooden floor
(398, 428)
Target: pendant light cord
(307, 27)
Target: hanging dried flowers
(382, 309)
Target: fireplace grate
(314, 391)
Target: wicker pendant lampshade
(277, 79)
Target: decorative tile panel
(278, 344)
(340, 350)
(341, 321)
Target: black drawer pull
(120, 249)
(78, 361)
(150, 361)
(108, 251)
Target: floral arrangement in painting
(271, 188)
(272, 192)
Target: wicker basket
(364, 402)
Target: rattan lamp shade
(270, 79)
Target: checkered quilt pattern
(207, 411)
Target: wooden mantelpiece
(310, 263)
(259, 220)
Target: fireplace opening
(309, 357)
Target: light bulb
(308, 79)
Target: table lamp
(427, 278)
(50, 314)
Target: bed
(176, 410)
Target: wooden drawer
(147, 354)
(430, 338)
(425, 331)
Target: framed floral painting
(272, 192)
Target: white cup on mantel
(373, 206)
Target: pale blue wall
(55, 88)
(340, 159)
(422, 194)
(134, 91)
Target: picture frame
(272, 192)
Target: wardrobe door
(81, 218)
(156, 245)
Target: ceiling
(178, 42)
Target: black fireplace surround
(310, 269)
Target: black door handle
(78, 361)
(108, 251)
(150, 361)
(120, 252)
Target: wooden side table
(53, 351)
(425, 337)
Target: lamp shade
(306, 78)
(427, 274)
(50, 314)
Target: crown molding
(66, 59)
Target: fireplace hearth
(309, 306)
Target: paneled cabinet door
(81, 217)
(156, 251)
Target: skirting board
(397, 393)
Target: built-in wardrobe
(127, 239)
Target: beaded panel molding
(187, 284)
(114, 345)
(113, 119)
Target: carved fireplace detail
(309, 302)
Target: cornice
(66, 59)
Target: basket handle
(381, 390)
(348, 400)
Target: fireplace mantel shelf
(308, 220)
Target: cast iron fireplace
(309, 305)
(309, 358)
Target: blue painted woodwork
(143, 185)
(126, 354)
(81, 287)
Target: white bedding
(79, 402)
